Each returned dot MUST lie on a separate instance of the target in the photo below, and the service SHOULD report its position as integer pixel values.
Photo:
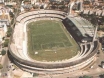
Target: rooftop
(85, 27)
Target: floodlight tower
(96, 23)
(70, 6)
(80, 5)
(72, 3)
(95, 33)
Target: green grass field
(48, 40)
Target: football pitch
(48, 40)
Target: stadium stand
(78, 27)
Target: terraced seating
(18, 53)
(34, 13)
(93, 11)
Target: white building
(102, 64)
(3, 29)
(1, 1)
(10, 3)
(4, 21)
(33, 1)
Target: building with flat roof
(4, 14)
(1, 1)
(4, 21)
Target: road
(6, 72)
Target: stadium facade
(80, 29)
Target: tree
(86, 2)
(3, 38)
(11, 14)
(35, 74)
(10, 6)
(9, 32)
(6, 43)
(101, 76)
(1, 66)
(9, 29)
(3, 52)
(102, 20)
(94, 20)
(85, 76)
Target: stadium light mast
(95, 33)
(96, 24)
(70, 6)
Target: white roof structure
(84, 26)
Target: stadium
(69, 31)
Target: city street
(5, 71)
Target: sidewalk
(77, 74)
(4, 71)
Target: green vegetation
(9, 29)
(35, 74)
(6, 42)
(26, 0)
(3, 52)
(48, 40)
(101, 76)
(12, 21)
(9, 32)
(11, 14)
(10, 6)
(85, 76)
(101, 28)
(1, 66)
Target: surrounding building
(1, 1)
(102, 64)
(3, 29)
(4, 14)
(4, 21)
(10, 3)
